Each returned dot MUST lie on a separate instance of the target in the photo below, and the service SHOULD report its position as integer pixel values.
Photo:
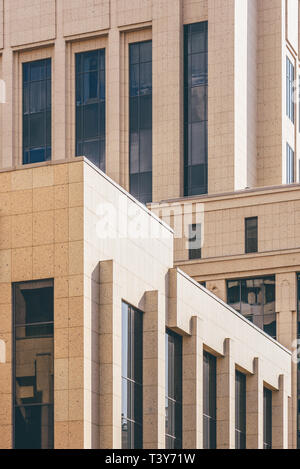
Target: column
(167, 99)
(192, 382)
(153, 373)
(280, 416)
(255, 409)
(226, 398)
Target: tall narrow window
(33, 382)
(132, 378)
(195, 108)
(37, 111)
(90, 106)
(209, 401)
(140, 122)
(173, 391)
(251, 235)
(195, 241)
(240, 411)
(290, 161)
(267, 419)
(290, 77)
(255, 299)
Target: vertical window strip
(251, 235)
(195, 241)
(140, 121)
(173, 391)
(33, 369)
(195, 109)
(290, 76)
(267, 419)
(90, 107)
(240, 411)
(36, 111)
(209, 401)
(290, 178)
(132, 378)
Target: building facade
(191, 106)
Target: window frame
(290, 165)
(36, 284)
(248, 239)
(240, 410)
(268, 418)
(290, 78)
(194, 230)
(211, 416)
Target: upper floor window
(290, 164)
(251, 235)
(90, 106)
(195, 241)
(267, 419)
(33, 378)
(132, 378)
(195, 108)
(255, 299)
(209, 401)
(290, 77)
(140, 120)
(240, 410)
(173, 391)
(37, 111)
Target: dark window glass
(195, 241)
(140, 121)
(33, 364)
(195, 108)
(90, 106)
(173, 391)
(132, 378)
(37, 111)
(240, 411)
(290, 74)
(209, 401)
(290, 162)
(251, 235)
(255, 299)
(267, 419)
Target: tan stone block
(5, 204)
(76, 375)
(6, 317)
(21, 230)
(76, 311)
(43, 261)
(43, 228)
(5, 182)
(21, 202)
(61, 312)
(76, 192)
(76, 404)
(76, 258)
(61, 174)
(61, 287)
(43, 176)
(61, 259)
(76, 435)
(5, 409)
(43, 199)
(76, 285)
(76, 172)
(61, 435)
(61, 374)
(21, 180)
(76, 338)
(61, 408)
(61, 226)
(61, 196)
(76, 224)
(61, 343)
(5, 232)
(6, 432)
(21, 267)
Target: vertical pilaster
(153, 373)
(192, 383)
(110, 361)
(113, 98)
(254, 408)
(167, 99)
(280, 416)
(226, 398)
(59, 84)
(7, 107)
